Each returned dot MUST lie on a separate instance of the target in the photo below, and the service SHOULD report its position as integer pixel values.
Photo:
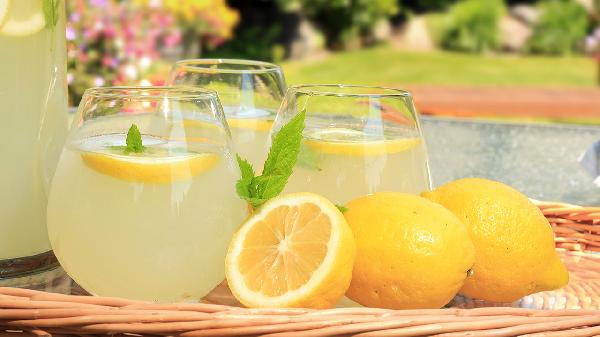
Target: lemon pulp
(150, 169)
(297, 251)
(355, 143)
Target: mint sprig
(134, 140)
(51, 15)
(277, 168)
(309, 159)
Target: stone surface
(587, 4)
(525, 13)
(307, 42)
(514, 33)
(415, 36)
(540, 160)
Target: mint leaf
(50, 9)
(277, 168)
(281, 159)
(243, 185)
(308, 158)
(342, 209)
(134, 140)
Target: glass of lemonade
(250, 91)
(357, 140)
(146, 215)
(33, 91)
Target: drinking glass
(357, 140)
(250, 91)
(149, 222)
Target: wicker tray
(575, 309)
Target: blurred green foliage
(561, 28)
(473, 26)
(421, 6)
(253, 42)
(343, 21)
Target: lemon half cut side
(296, 251)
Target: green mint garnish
(244, 184)
(308, 159)
(134, 140)
(278, 166)
(50, 8)
(342, 209)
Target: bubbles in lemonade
(344, 163)
(152, 226)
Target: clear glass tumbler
(250, 91)
(143, 203)
(357, 140)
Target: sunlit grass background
(385, 65)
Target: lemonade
(250, 136)
(141, 207)
(343, 164)
(250, 92)
(33, 94)
(137, 235)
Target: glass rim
(312, 89)
(203, 64)
(142, 92)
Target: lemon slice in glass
(252, 124)
(157, 170)
(22, 17)
(350, 142)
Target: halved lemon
(150, 169)
(296, 251)
(353, 143)
(22, 17)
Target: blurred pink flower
(98, 81)
(173, 39)
(71, 34)
(119, 41)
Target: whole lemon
(514, 243)
(411, 253)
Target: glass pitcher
(33, 93)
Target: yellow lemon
(514, 243)
(21, 17)
(295, 251)
(351, 142)
(411, 253)
(150, 169)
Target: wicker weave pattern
(33, 313)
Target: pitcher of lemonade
(33, 93)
